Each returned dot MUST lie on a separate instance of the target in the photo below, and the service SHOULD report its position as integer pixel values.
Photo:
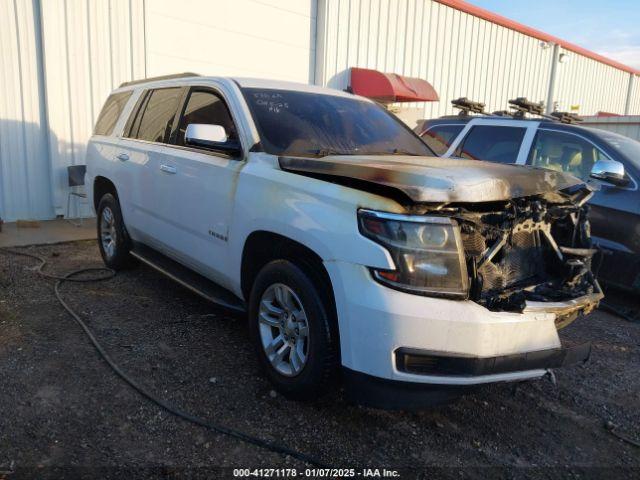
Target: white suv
(352, 249)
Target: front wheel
(291, 324)
(113, 239)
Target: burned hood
(434, 179)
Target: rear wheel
(113, 239)
(291, 325)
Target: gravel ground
(61, 406)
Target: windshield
(310, 124)
(626, 146)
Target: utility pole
(555, 57)
(627, 104)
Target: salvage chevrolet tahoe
(357, 254)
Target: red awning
(391, 87)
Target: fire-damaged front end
(525, 253)
(486, 262)
(522, 234)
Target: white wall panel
(251, 38)
(25, 191)
(89, 49)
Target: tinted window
(312, 124)
(206, 107)
(440, 137)
(564, 152)
(157, 113)
(496, 144)
(110, 113)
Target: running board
(188, 278)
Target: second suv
(607, 159)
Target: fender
(313, 212)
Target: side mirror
(609, 171)
(212, 137)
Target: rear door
(143, 151)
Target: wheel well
(262, 247)
(102, 186)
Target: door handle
(123, 157)
(168, 169)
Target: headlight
(427, 252)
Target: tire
(113, 240)
(317, 373)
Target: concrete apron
(18, 234)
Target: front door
(613, 209)
(200, 185)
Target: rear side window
(206, 107)
(155, 117)
(440, 137)
(493, 143)
(110, 113)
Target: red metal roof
(532, 32)
(391, 87)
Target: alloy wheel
(284, 330)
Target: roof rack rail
(466, 106)
(161, 77)
(522, 106)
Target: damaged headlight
(427, 252)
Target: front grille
(521, 259)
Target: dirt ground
(61, 407)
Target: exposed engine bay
(525, 231)
(535, 249)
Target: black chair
(75, 174)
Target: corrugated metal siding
(89, 49)
(458, 53)
(51, 96)
(25, 191)
(634, 106)
(250, 38)
(590, 85)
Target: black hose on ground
(108, 274)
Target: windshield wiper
(324, 152)
(396, 151)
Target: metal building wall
(590, 85)
(90, 47)
(460, 54)
(634, 104)
(246, 38)
(629, 126)
(25, 190)
(61, 58)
